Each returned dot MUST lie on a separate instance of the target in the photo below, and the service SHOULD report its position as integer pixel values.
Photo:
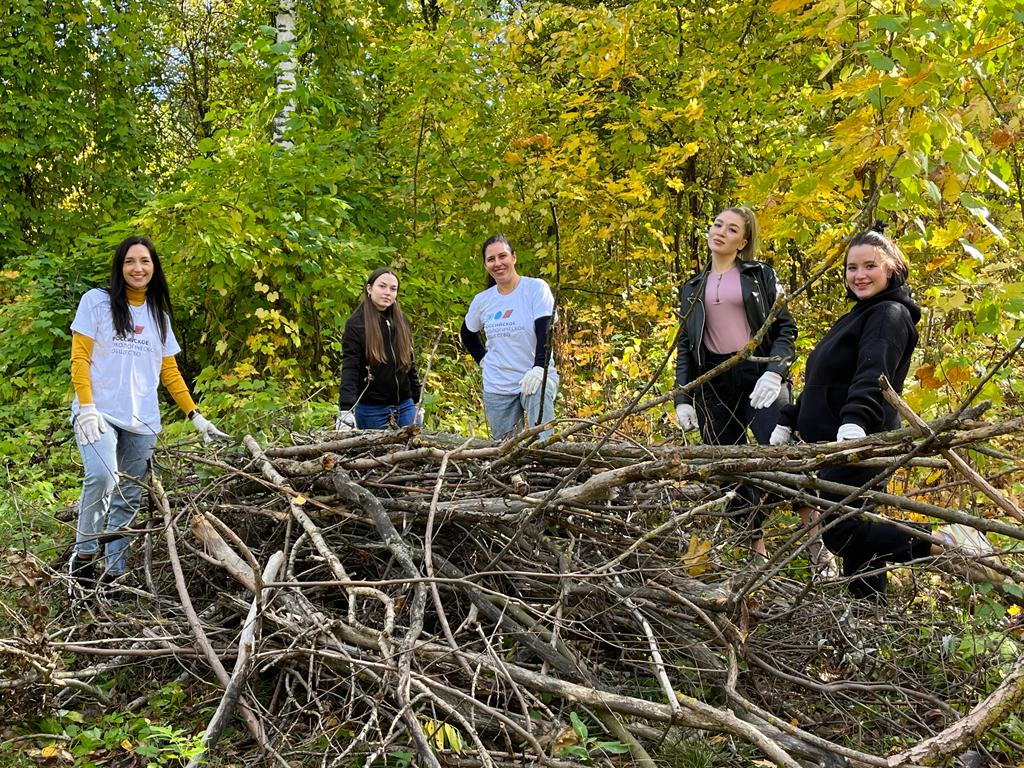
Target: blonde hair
(749, 251)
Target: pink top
(726, 329)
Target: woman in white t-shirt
(122, 347)
(514, 314)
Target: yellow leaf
(951, 187)
(300, 500)
(49, 752)
(926, 375)
(958, 374)
(567, 737)
(126, 744)
(696, 559)
(785, 6)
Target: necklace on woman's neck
(716, 266)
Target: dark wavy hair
(374, 341)
(875, 238)
(158, 297)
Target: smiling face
(383, 291)
(727, 235)
(138, 267)
(867, 271)
(500, 263)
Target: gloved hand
(344, 421)
(418, 419)
(530, 383)
(90, 423)
(850, 432)
(781, 435)
(686, 415)
(206, 429)
(766, 390)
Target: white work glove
(530, 383)
(418, 419)
(344, 421)
(781, 435)
(205, 428)
(90, 423)
(850, 432)
(686, 415)
(766, 390)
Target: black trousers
(724, 414)
(865, 545)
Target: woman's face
(500, 263)
(726, 235)
(383, 291)
(867, 271)
(138, 267)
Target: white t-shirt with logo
(507, 321)
(124, 372)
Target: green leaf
(880, 61)
(974, 205)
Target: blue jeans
(385, 416)
(109, 503)
(505, 412)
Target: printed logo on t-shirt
(499, 315)
(133, 345)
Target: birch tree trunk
(284, 21)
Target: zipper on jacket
(394, 360)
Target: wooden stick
(952, 456)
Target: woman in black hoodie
(379, 385)
(842, 400)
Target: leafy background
(422, 127)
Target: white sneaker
(967, 546)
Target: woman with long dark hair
(380, 388)
(122, 348)
(723, 307)
(514, 313)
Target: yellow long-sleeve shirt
(81, 360)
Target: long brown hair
(400, 333)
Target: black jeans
(725, 414)
(866, 545)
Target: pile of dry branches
(363, 595)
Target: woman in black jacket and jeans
(379, 385)
(723, 308)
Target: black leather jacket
(760, 286)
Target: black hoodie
(841, 379)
